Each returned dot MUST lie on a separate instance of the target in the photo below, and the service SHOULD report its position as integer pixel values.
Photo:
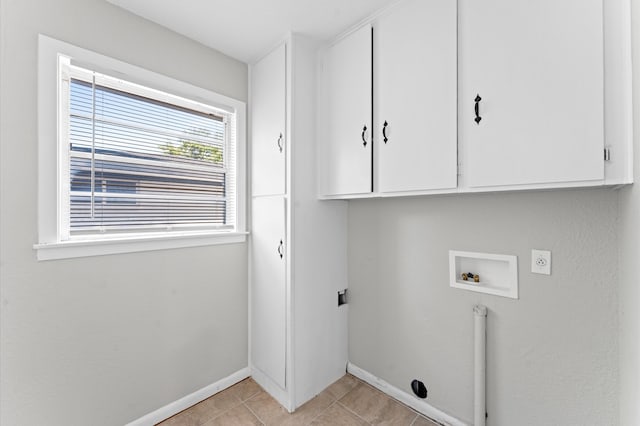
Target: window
(141, 160)
(139, 166)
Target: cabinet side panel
(618, 109)
(319, 247)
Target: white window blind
(140, 160)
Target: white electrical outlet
(541, 262)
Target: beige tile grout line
(251, 411)
(241, 402)
(215, 417)
(322, 412)
(347, 408)
(337, 401)
(244, 403)
(353, 412)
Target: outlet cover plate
(541, 262)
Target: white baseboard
(191, 399)
(407, 399)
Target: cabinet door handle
(477, 109)
(280, 249)
(280, 142)
(384, 131)
(364, 141)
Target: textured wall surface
(552, 355)
(629, 232)
(105, 340)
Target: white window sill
(138, 243)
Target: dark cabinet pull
(280, 142)
(364, 141)
(477, 109)
(280, 251)
(384, 131)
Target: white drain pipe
(480, 370)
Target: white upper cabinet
(531, 92)
(403, 72)
(346, 141)
(478, 95)
(414, 90)
(268, 100)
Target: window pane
(137, 163)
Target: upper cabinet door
(531, 91)
(347, 152)
(415, 83)
(268, 118)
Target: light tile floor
(346, 402)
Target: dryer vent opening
(419, 388)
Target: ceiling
(247, 29)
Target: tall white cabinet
(298, 336)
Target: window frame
(52, 153)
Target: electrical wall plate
(541, 262)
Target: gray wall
(105, 340)
(629, 249)
(552, 354)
